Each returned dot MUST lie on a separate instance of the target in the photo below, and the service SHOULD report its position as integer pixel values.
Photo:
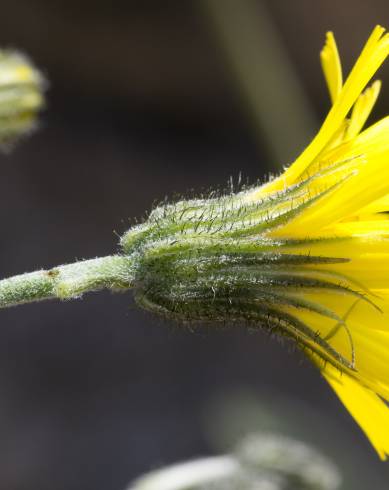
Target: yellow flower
(344, 180)
(305, 255)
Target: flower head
(305, 255)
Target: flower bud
(21, 96)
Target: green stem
(68, 281)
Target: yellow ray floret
(362, 109)
(365, 406)
(332, 67)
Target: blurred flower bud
(21, 96)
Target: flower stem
(68, 281)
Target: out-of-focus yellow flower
(21, 96)
(344, 204)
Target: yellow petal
(365, 406)
(332, 67)
(362, 109)
(380, 205)
(363, 347)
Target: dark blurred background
(148, 99)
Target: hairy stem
(68, 281)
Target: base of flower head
(199, 262)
